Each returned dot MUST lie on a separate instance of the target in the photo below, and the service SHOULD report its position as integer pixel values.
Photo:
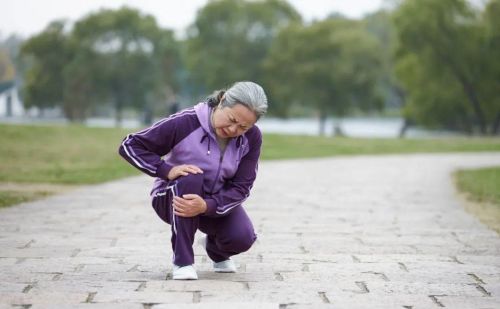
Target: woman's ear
(220, 101)
(220, 95)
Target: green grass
(61, 154)
(289, 147)
(482, 185)
(8, 198)
(482, 189)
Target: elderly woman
(210, 154)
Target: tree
(230, 39)
(7, 70)
(380, 25)
(132, 59)
(332, 65)
(12, 46)
(118, 56)
(445, 62)
(492, 37)
(49, 52)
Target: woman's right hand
(183, 170)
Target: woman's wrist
(204, 207)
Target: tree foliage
(117, 57)
(448, 63)
(381, 26)
(129, 54)
(230, 39)
(332, 66)
(44, 81)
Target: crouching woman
(205, 161)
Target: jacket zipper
(218, 169)
(218, 172)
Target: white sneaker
(226, 266)
(202, 241)
(184, 273)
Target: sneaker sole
(185, 278)
(224, 270)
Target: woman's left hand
(189, 205)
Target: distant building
(10, 103)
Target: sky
(28, 17)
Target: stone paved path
(362, 232)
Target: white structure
(10, 103)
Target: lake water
(355, 127)
(352, 127)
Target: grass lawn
(291, 146)
(61, 154)
(8, 198)
(482, 188)
(73, 154)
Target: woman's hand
(183, 170)
(189, 205)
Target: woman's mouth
(223, 132)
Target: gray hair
(246, 93)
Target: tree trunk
(147, 118)
(337, 129)
(472, 96)
(404, 128)
(466, 124)
(495, 127)
(322, 123)
(118, 108)
(68, 107)
(118, 114)
(470, 92)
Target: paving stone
(26, 277)
(87, 286)
(143, 297)
(273, 296)
(368, 300)
(88, 306)
(468, 302)
(195, 286)
(7, 287)
(45, 297)
(418, 288)
(224, 305)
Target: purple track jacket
(187, 137)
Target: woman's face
(232, 121)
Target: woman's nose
(233, 129)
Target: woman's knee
(191, 183)
(240, 241)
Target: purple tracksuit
(188, 138)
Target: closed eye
(242, 127)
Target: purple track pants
(226, 236)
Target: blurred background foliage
(435, 60)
